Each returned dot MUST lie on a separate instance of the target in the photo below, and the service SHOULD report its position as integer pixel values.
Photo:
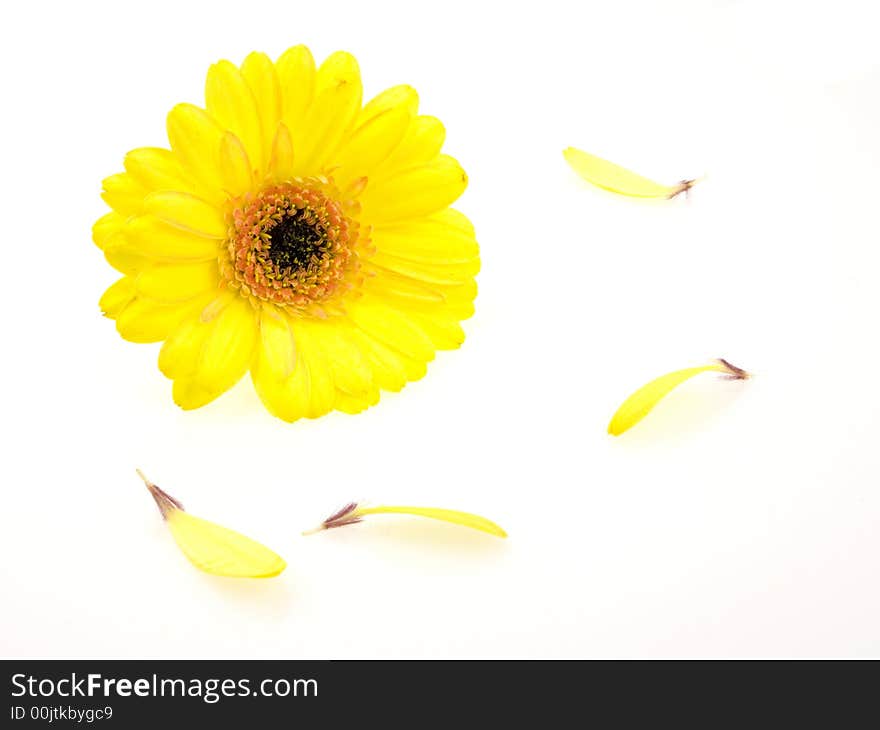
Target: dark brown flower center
(290, 244)
(295, 242)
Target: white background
(740, 519)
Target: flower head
(292, 232)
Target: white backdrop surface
(740, 519)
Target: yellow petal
(444, 274)
(370, 144)
(421, 144)
(446, 334)
(353, 404)
(150, 236)
(123, 257)
(187, 212)
(308, 392)
(221, 551)
(397, 97)
(379, 129)
(417, 296)
(230, 101)
(176, 282)
(189, 393)
(213, 310)
(235, 166)
(179, 356)
(416, 192)
(337, 101)
(465, 519)
(277, 346)
(438, 327)
(156, 169)
(410, 295)
(259, 73)
(117, 297)
(228, 350)
(195, 141)
(312, 359)
(285, 399)
(212, 548)
(406, 292)
(353, 513)
(446, 237)
(391, 327)
(282, 157)
(640, 403)
(351, 373)
(296, 78)
(106, 227)
(143, 320)
(225, 355)
(124, 194)
(390, 370)
(617, 179)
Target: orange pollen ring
(289, 244)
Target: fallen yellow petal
(212, 548)
(353, 513)
(640, 403)
(617, 179)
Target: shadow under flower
(272, 597)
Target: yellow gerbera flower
(292, 232)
